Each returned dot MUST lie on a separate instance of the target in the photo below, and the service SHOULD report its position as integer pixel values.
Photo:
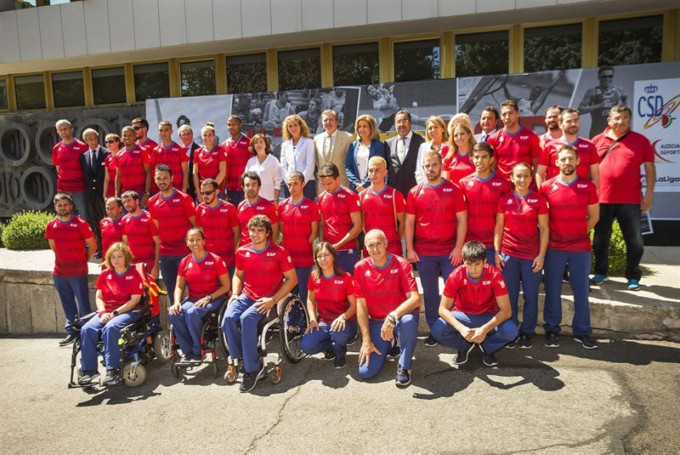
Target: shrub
(2, 227)
(617, 252)
(26, 231)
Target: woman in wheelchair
(207, 279)
(331, 295)
(119, 290)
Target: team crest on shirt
(388, 196)
(447, 190)
(55, 224)
(470, 184)
(224, 210)
(486, 283)
(304, 206)
(496, 184)
(175, 200)
(502, 283)
(368, 273)
(271, 255)
(394, 271)
(260, 208)
(524, 138)
(509, 201)
(341, 195)
(73, 225)
(128, 278)
(532, 201)
(210, 263)
(247, 254)
(581, 185)
(554, 187)
(109, 277)
(422, 192)
(337, 281)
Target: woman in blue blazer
(366, 146)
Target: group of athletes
(488, 217)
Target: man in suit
(331, 147)
(403, 154)
(92, 163)
(488, 122)
(186, 135)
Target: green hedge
(26, 231)
(2, 228)
(617, 252)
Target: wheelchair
(210, 336)
(290, 319)
(140, 342)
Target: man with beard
(552, 125)
(140, 233)
(253, 205)
(170, 153)
(132, 174)
(66, 159)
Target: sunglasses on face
(111, 141)
(207, 193)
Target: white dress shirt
(270, 174)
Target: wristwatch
(115, 313)
(209, 297)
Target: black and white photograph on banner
(421, 99)
(533, 93)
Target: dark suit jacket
(94, 180)
(402, 176)
(191, 190)
(378, 148)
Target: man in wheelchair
(264, 275)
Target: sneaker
(512, 344)
(250, 379)
(524, 341)
(431, 341)
(403, 378)
(339, 362)
(462, 356)
(88, 377)
(112, 377)
(551, 340)
(395, 351)
(329, 355)
(490, 360)
(70, 338)
(586, 342)
(633, 285)
(565, 277)
(598, 279)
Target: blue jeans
(89, 337)
(74, 296)
(235, 197)
(303, 278)
(494, 341)
(346, 260)
(324, 339)
(242, 342)
(406, 331)
(579, 268)
(430, 268)
(169, 266)
(188, 324)
(518, 270)
(628, 216)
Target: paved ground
(622, 398)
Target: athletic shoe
(87, 377)
(70, 338)
(462, 356)
(524, 341)
(431, 341)
(395, 351)
(112, 377)
(403, 378)
(250, 379)
(339, 362)
(329, 355)
(512, 344)
(586, 342)
(633, 285)
(490, 360)
(599, 279)
(565, 277)
(551, 340)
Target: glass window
(3, 94)
(108, 85)
(552, 48)
(416, 60)
(247, 73)
(68, 89)
(299, 69)
(30, 92)
(630, 41)
(479, 54)
(197, 78)
(152, 81)
(355, 64)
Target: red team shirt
(172, 155)
(520, 232)
(510, 149)
(111, 232)
(140, 231)
(70, 259)
(435, 209)
(336, 209)
(482, 201)
(475, 297)
(331, 295)
(148, 146)
(620, 169)
(383, 288)
(263, 270)
(246, 211)
(173, 215)
(458, 166)
(296, 225)
(202, 276)
(587, 156)
(218, 225)
(70, 178)
(111, 164)
(117, 289)
(380, 212)
(208, 163)
(131, 169)
(568, 213)
(238, 155)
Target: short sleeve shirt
(203, 275)
(70, 259)
(218, 225)
(208, 163)
(238, 154)
(522, 146)
(331, 295)
(140, 231)
(246, 211)
(383, 288)
(520, 231)
(380, 212)
(172, 214)
(482, 197)
(336, 210)
(263, 270)
(111, 232)
(587, 156)
(117, 290)
(173, 156)
(70, 178)
(475, 296)
(296, 222)
(131, 169)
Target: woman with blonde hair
(458, 119)
(298, 154)
(436, 138)
(457, 162)
(366, 146)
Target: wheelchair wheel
(293, 322)
(76, 362)
(162, 347)
(134, 377)
(215, 369)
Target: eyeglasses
(111, 141)
(207, 193)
